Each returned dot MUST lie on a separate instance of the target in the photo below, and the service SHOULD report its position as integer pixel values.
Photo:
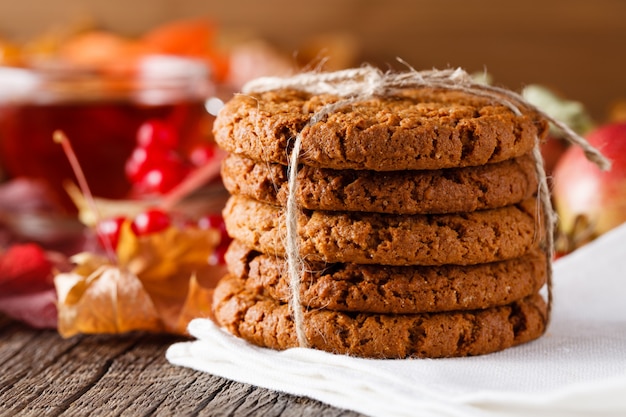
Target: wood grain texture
(42, 374)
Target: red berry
(157, 133)
(214, 221)
(135, 165)
(143, 160)
(211, 221)
(150, 221)
(160, 180)
(217, 257)
(108, 230)
(201, 155)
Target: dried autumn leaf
(157, 283)
(159, 256)
(197, 304)
(165, 263)
(108, 300)
(37, 309)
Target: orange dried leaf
(109, 300)
(194, 38)
(104, 50)
(92, 48)
(159, 256)
(159, 283)
(197, 304)
(10, 53)
(166, 262)
(182, 37)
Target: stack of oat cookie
(418, 223)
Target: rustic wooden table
(42, 374)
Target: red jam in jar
(100, 114)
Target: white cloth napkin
(578, 368)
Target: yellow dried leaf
(107, 301)
(159, 256)
(158, 282)
(198, 302)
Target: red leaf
(38, 309)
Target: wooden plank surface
(42, 374)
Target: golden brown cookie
(401, 192)
(392, 289)
(417, 129)
(389, 239)
(266, 322)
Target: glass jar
(100, 113)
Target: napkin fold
(578, 368)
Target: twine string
(357, 84)
(549, 222)
(295, 263)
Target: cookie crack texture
(449, 190)
(267, 322)
(517, 320)
(367, 238)
(468, 141)
(369, 135)
(417, 334)
(411, 289)
(465, 337)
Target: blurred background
(576, 47)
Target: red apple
(582, 189)
(552, 150)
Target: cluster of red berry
(145, 223)
(154, 221)
(156, 167)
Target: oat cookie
(266, 322)
(388, 239)
(401, 192)
(417, 129)
(392, 289)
